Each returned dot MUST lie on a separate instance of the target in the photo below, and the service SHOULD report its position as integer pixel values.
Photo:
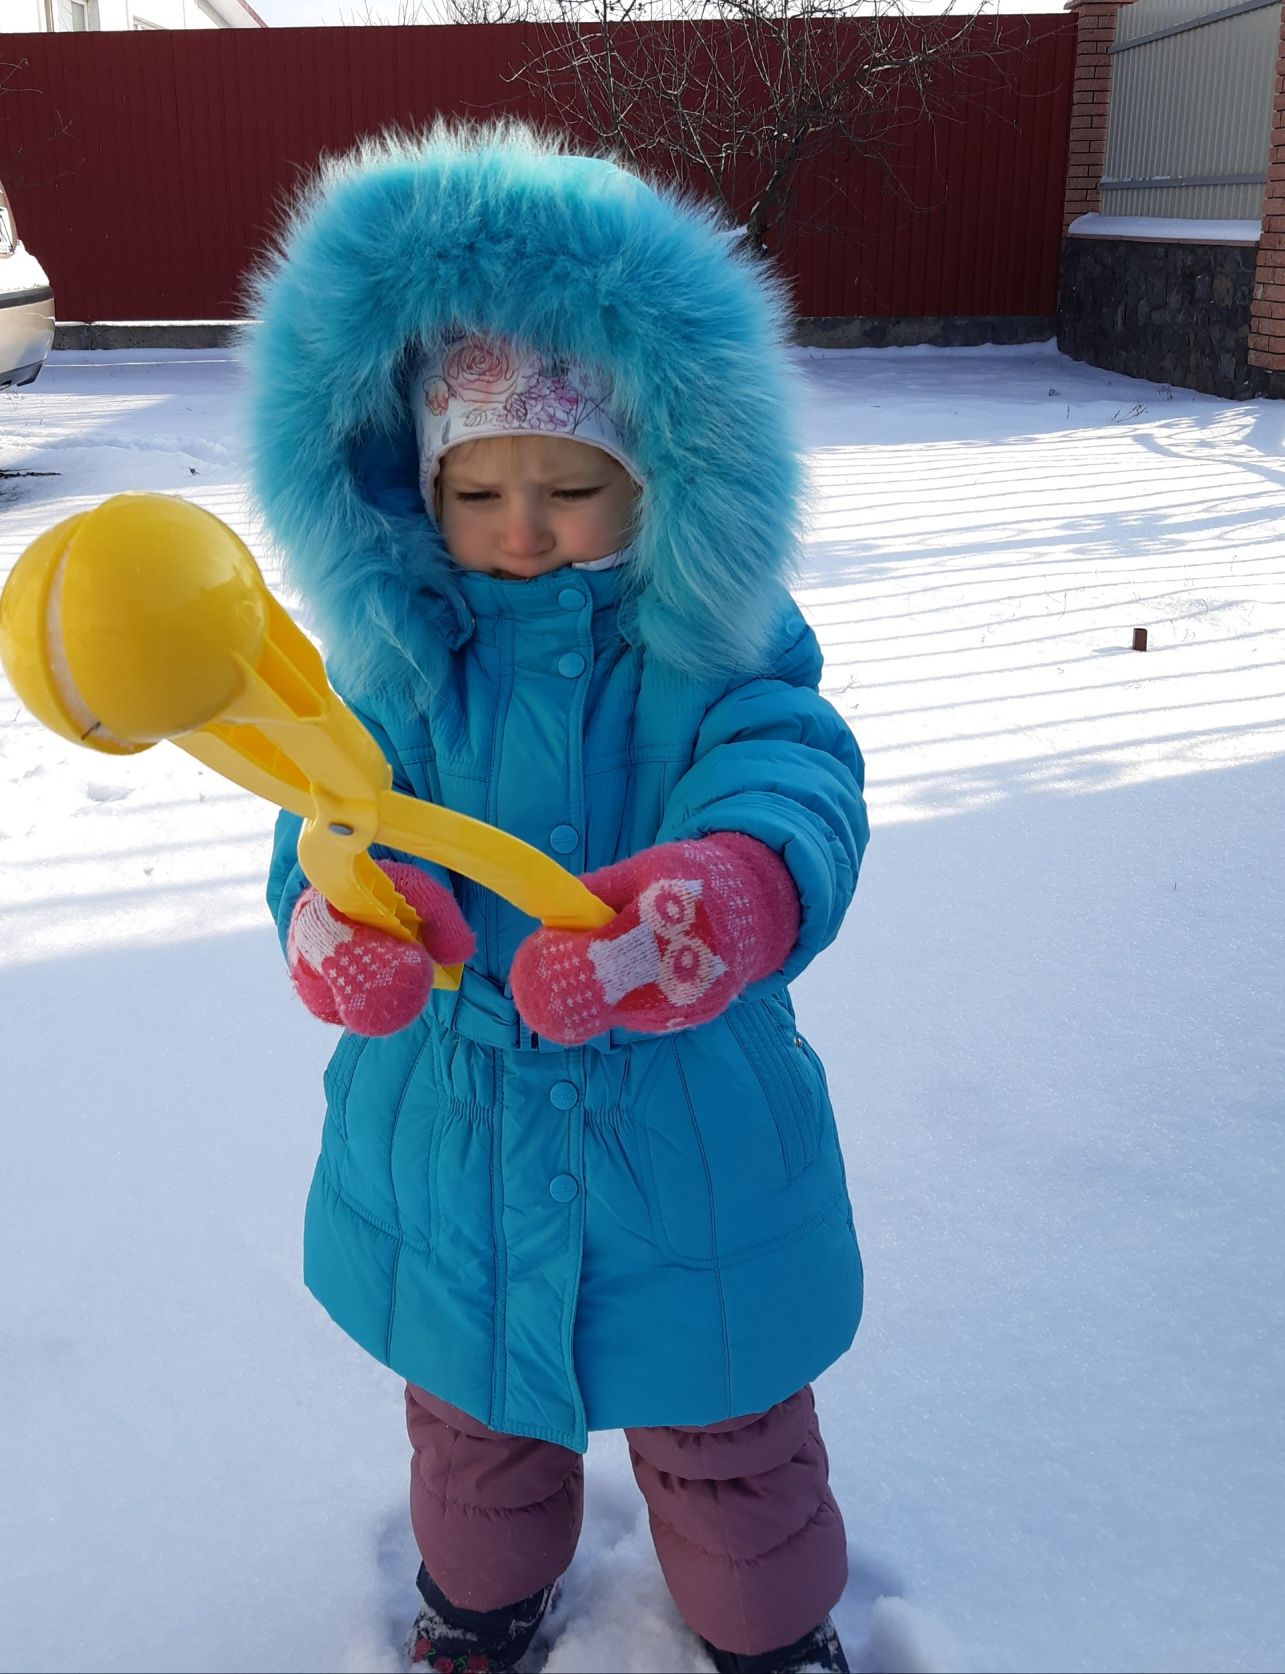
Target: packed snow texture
(1053, 1026)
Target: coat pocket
(790, 1075)
(739, 1138)
(386, 1100)
(337, 1078)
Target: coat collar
(549, 599)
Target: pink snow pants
(748, 1535)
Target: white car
(26, 305)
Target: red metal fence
(147, 169)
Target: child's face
(519, 506)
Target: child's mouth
(526, 570)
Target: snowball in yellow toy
(132, 622)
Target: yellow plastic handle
(147, 619)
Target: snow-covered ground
(1054, 1025)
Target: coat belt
(481, 1011)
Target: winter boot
(448, 1640)
(818, 1652)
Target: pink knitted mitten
(697, 922)
(366, 979)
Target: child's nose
(526, 534)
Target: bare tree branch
(740, 98)
(743, 100)
(10, 84)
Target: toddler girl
(522, 425)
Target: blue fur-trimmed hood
(505, 234)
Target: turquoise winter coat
(646, 1230)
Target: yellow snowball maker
(147, 619)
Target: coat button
(563, 1094)
(571, 598)
(571, 664)
(563, 838)
(563, 1187)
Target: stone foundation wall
(1170, 313)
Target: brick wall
(1091, 95)
(1267, 311)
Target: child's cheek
(596, 532)
(462, 535)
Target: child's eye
(577, 493)
(470, 496)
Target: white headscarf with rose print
(471, 387)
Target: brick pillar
(1094, 36)
(1267, 310)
